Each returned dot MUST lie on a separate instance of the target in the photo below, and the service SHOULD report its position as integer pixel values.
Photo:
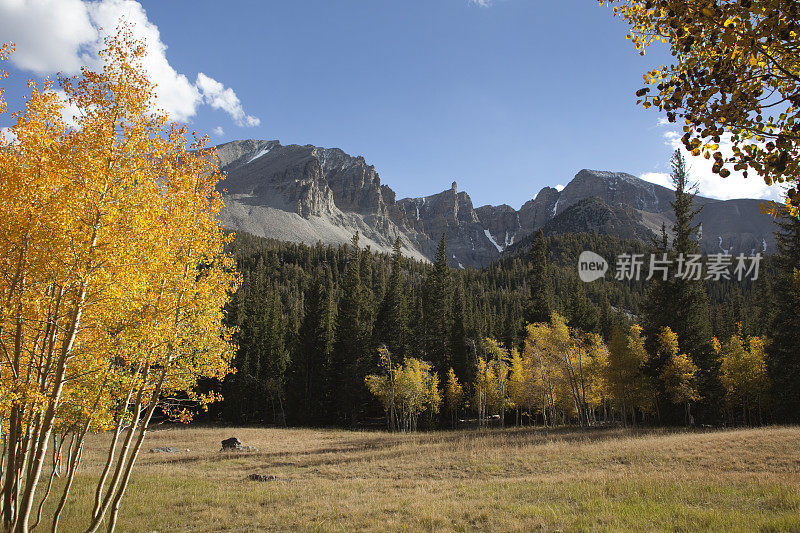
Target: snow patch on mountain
(262, 153)
(491, 239)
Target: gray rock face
(728, 226)
(616, 188)
(503, 221)
(593, 215)
(452, 212)
(310, 194)
(537, 212)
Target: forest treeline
(323, 329)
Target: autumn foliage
(406, 390)
(743, 373)
(736, 78)
(112, 279)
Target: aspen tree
(113, 280)
(629, 385)
(678, 375)
(498, 359)
(411, 388)
(453, 395)
(599, 390)
(482, 386)
(518, 379)
(743, 373)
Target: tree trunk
(624, 413)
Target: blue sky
(505, 98)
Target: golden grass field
(494, 480)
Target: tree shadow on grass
(355, 450)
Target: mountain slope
(593, 215)
(310, 194)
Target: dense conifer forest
(311, 321)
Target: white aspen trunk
(97, 517)
(112, 450)
(72, 468)
(112, 522)
(26, 502)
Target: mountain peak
(311, 194)
(605, 174)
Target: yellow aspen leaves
(732, 60)
(409, 388)
(678, 373)
(114, 278)
(743, 371)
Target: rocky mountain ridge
(310, 194)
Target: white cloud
(70, 113)
(713, 185)
(659, 178)
(49, 34)
(63, 35)
(175, 93)
(559, 187)
(482, 3)
(219, 131)
(6, 135)
(217, 96)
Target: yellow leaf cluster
(733, 60)
(113, 277)
(563, 371)
(743, 370)
(409, 388)
(679, 372)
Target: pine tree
(540, 305)
(268, 355)
(784, 351)
(437, 308)
(418, 342)
(368, 290)
(658, 302)
(581, 312)
(315, 347)
(263, 354)
(349, 356)
(659, 310)
(459, 343)
(681, 303)
(392, 322)
(691, 310)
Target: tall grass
(495, 480)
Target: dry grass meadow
(495, 480)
